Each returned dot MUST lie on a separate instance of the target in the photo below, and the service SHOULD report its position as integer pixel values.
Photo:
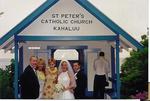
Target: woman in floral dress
(51, 79)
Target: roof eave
(108, 22)
(85, 4)
(28, 20)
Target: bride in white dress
(66, 78)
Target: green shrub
(6, 81)
(134, 77)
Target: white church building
(71, 29)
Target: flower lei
(53, 71)
(41, 75)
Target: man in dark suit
(29, 81)
(81, 81)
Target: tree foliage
(6, 81)
(134, 77)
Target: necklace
(53, 71)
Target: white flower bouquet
(58, 88)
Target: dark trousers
(99, 86)
(79, 94)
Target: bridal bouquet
(58, 88)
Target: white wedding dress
(64, 79)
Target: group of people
(39, 81)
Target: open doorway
(72, 51)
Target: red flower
(54, 81)
(44, 94)
(48, 86)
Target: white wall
(61, 7)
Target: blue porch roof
(85, 4)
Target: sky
(131, 15)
